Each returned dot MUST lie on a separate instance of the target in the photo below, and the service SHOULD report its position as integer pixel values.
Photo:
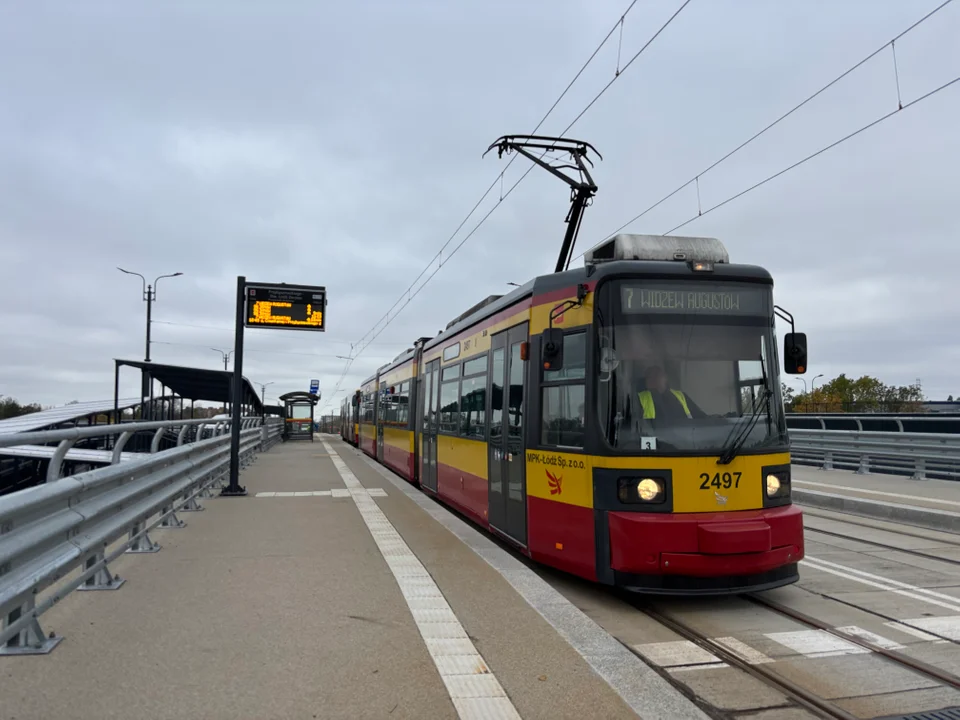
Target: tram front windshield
(688, 367)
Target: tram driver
(664, 403)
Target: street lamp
(149, 295)
(263, 390)
(225, 354)
(814, 380)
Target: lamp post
(263, 394)
(149, 295)
(814, 380)
(225, 354)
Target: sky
(340, 145)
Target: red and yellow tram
(622, 421)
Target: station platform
(333, 590)
(933, 504)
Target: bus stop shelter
(298, 415)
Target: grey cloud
(340, 145)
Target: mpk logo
(555, 483)
(721, 499)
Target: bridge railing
(186, 431)
(85, 521)
(877, 422)
(917, 455)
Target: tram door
(428, 444)
(506, 460)
(378, 420)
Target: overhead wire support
(360, 344)
(582, 189)
(821, 151)
(890, 43)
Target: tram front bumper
(708, 545)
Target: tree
(865, 394)
(11, 408)
(786, 393)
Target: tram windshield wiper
(731, 450)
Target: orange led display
(287, 307)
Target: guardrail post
(101, 579)
(864, 468)
(170, 519)
(827, 460)
(182, 434)
(190, 503)
(56, 462)
(920, 469)
(140, 542)
(30, 640)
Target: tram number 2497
(720, 480)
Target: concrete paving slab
(257, 609)
(849, 676)
(730, 689)
(901, 703)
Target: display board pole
(234, 489)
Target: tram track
(918, 666)
(799, 695)
(874, 543)
(796, 693)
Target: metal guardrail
(877, 422)
(918, 455)
(49, 531)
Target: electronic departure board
(287, 307)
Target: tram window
(562, 411)
(574, 359)
(449, 407)
(403, 403)
(473, 406)
(450, 373)
(477, 365)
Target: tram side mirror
(795, 353)
(551, 349)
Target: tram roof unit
(658, 248)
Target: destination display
(287, 307)
(694, 299)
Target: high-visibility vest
(650, 412)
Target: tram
(622, 421)
(349, 419)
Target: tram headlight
(647, 490)
(773, 485)
(776, 486)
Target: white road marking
(870, 637)
(474, 690)
(917, 593)
(336, 492)
(903, 627)
(946, 627)
(816, 643)
(743, 651)
(875, 492)
(678, 653)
